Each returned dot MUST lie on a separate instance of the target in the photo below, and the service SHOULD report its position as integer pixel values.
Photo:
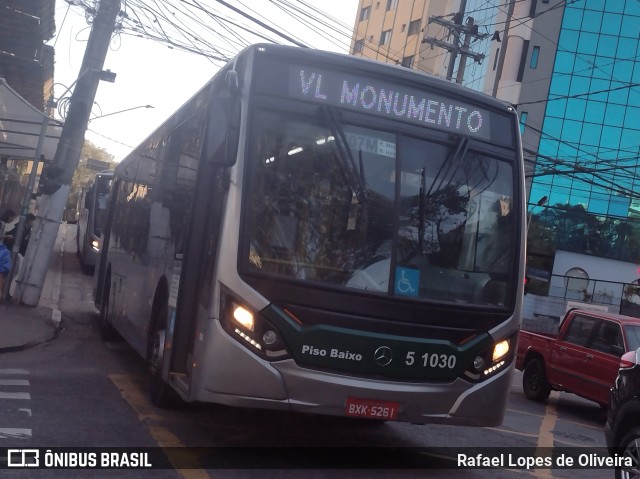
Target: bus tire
(534, 381)
(107, 331)
(160, 392)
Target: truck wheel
(534, 381)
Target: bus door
(198, 264)
(218, 152)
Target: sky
(150, 73)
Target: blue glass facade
(588, 165)
(484, 13)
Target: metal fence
(619, 297)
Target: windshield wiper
(455, 155)
(355, 178)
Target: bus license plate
(371, 408)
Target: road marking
(14, 433)
(510, 431)
(14, 382)
(4, 395)
(517, 411)
(568, 421)
(545, 436)
(131, 393)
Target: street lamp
(121, 111)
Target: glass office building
(587, 171)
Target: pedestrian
(5, 261)
(10, 220)
(26, 234)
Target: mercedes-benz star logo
(383, 356)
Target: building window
(576, 279)
(407, 62)
(523, 60)
(414, 27)
(523, 121)
(358, 46)
(365, 13)
(391, 4)
(385, 38)
(534, 57)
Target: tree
(84, 174)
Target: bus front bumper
(458, 402)
(284, 385)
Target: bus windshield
(367, 209)
(101, 191)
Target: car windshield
(372, 210)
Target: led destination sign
(390, 100)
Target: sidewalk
(22, 326)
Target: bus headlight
(251, 329)
(492, 360)
(243, 316)
(500, 350)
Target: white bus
(92, 215)
(316, 232)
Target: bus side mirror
(88, 198)
(233, 84)
(223, 122)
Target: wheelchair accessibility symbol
(407, 281)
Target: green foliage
(572, 228)
(83, 175)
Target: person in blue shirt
(5, 261)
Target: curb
(57, 329)
(56, 315)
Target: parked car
(622, 431)
(582, 359)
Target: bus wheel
(534, 381)
(161, 393)
(107, 331)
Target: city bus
(320, 233)
(92, 215)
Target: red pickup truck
(583, 358)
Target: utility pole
(56, 182)
(457, 29)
